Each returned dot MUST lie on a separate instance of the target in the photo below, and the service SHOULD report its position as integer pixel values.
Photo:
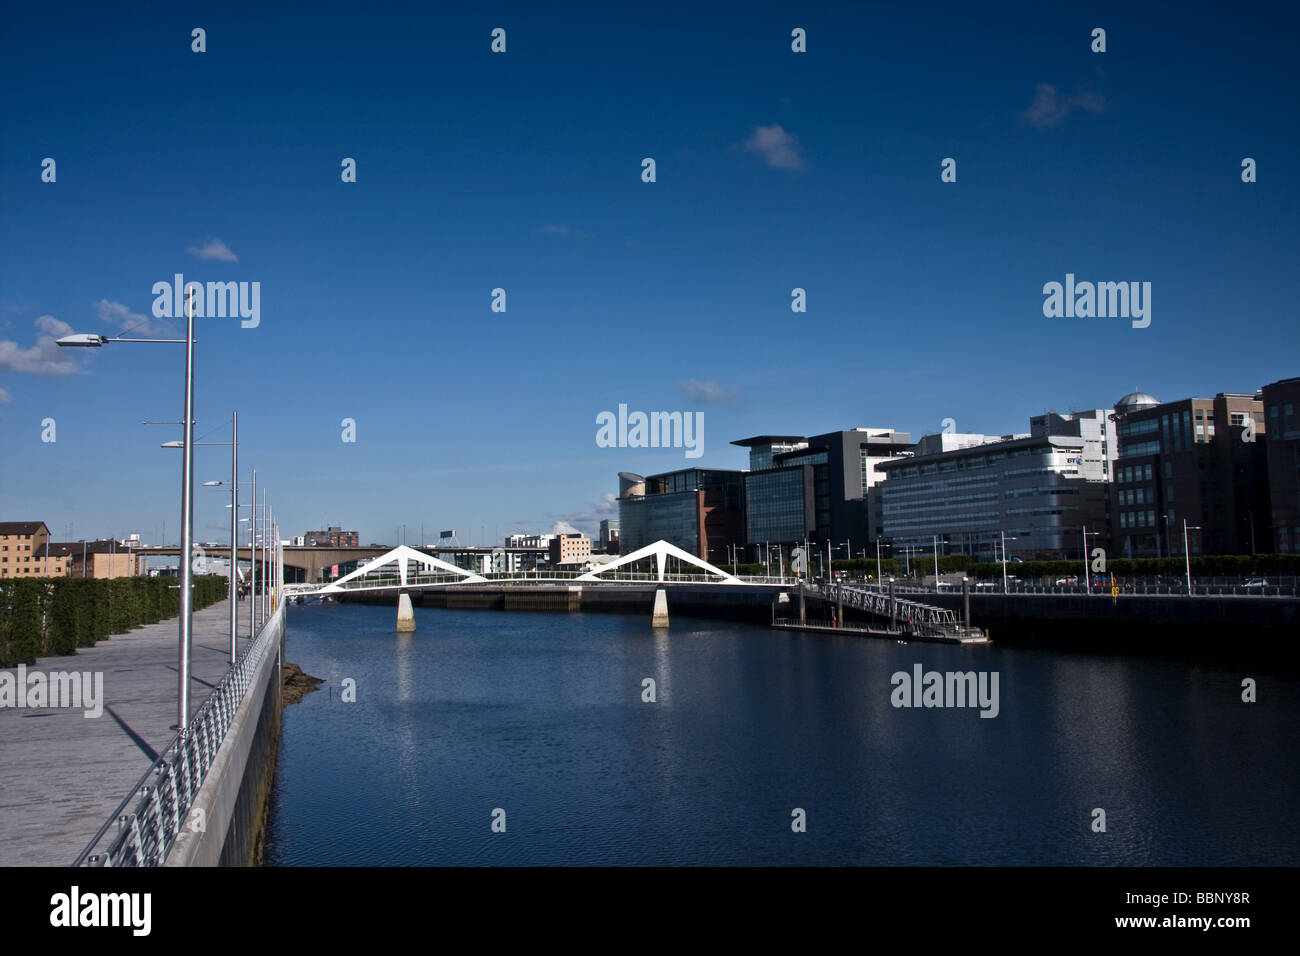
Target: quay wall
(233, 797)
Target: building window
(1147, 472)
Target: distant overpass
(304, 563)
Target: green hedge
(40, 617)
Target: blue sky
(522, 171)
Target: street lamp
(1087, 565)
(1187, 554)
(1004, 560)
(234, 522)
(186, 624)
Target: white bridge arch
(405, 567)
(660, 551)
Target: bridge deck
(64, 774)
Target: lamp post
(234, 525)
(1187, 554)
(1087, 567)
(879, 581)
(1004, 560)
(252, 562)
(186, 622)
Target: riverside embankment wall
(233, 797)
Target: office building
(1040, 489)
(1187, 461)
(699, 510)
(1282, 444)
(816, 489)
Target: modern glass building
(699, 510)
(1039, 490)
(815, 489)
(780, 505)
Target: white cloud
(779, 148)
(213, 248)
(43, 358)
(559, 229)
(1049, 108)
(709, 391)
(4, 395)
(587, 521)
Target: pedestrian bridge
(656, 565)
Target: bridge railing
(151, 817)
(389, 580)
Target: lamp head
(82, 340)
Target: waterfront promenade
(61, 774)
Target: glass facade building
(697, 509)
(1039, 489)
(779, 505)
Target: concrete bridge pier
(406, 614)
(659, 617)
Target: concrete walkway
(61, 774)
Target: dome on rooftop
(1135, 402)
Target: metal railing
(1267, 586)
(879, 603)
(388, 580)
(151, 817)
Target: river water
(541, 716)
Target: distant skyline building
(567, 548)
(22, 546)
(609, 535)
(332, 537)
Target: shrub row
(47, 616)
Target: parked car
(985, 585)
(1256, 584)
(1067, 580)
